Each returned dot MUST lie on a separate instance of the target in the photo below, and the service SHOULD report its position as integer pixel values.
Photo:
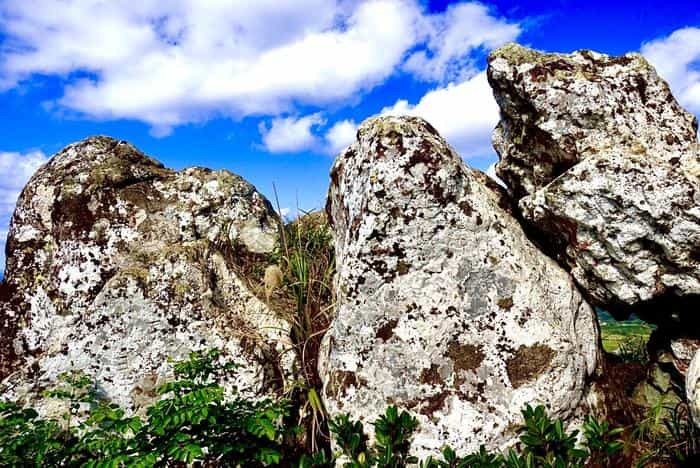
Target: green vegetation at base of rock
(197, 423)
(544, 442)
(192, 421)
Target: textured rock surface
(607, 165)
(116, 263)
(672, 348)
(444, 306)
(692, 388)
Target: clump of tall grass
(306, 259)
(671, 434)
(634, 349)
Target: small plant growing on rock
(352, 441)
(548, 441)
(393, 432)
(673, 436)
(306, 263)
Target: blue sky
(273, 89)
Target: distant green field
(620, 333)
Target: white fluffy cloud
(290, 134)
(677, 59)
(462, 28)
(340, 136)
(464, 113)
(169, 63)
(16, 169)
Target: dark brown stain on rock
(10, 327)
(342, 380)
(71, 216)
(527, 363)
(402, 267)
(431, 375)
(466, 207)
(434, 403)
(505, 303)
(465, 356)
(386, 331)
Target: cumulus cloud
(170, 63)
(453, 36)
(340, 136)
(677, 59)
(464, 113)
(16, 169)
(290, 134)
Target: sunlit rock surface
(606, 167)
(115, 264)
(444, 306)
(692, 388)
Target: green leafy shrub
(544, 443)
(193, 421)
(392, 431)
(603, 441)
(26, 439)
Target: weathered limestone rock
(8, 324)
(692, 388)
(606, 167)
(656, 390)
(671, 349)
(444, 306)
(116, 263)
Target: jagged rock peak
(606, 167)
(557, 109)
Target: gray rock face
(673, 348)
(8, 325)
(692, 388)
(606, 167)
(116, 263)
(444, 306)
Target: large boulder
(444, 307)
(606, 167)
(115, 264)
